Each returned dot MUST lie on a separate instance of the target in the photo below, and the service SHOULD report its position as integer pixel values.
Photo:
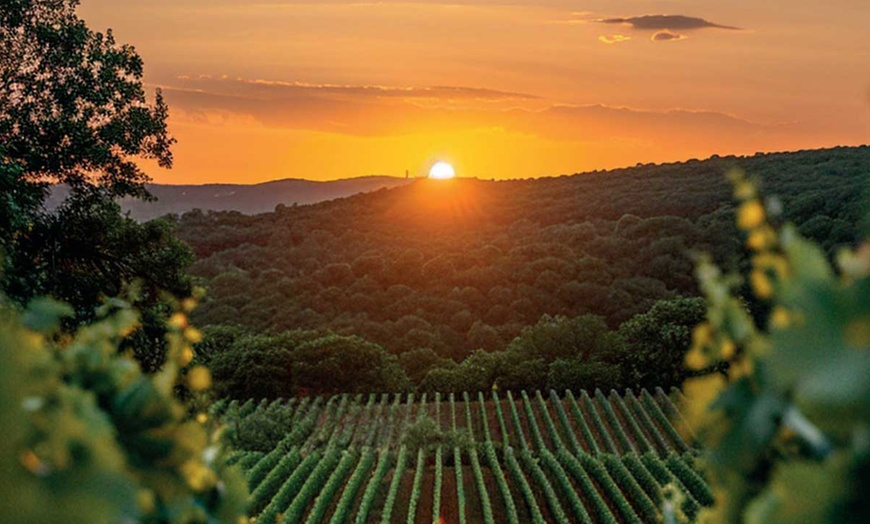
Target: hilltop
(249, 199)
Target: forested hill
(460, 265)
(245, 198)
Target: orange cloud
(667, 36)
(613, 39)
(372, 111)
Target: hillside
(248, 199)
(440, 269)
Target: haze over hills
(249, 199)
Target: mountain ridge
(249, 199)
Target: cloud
(278, 89)
(613, 39)
(664, 22)
(380, 111)
(667, 36)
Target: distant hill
(249, 199)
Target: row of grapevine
(616, 429)
(354, 484)
(580, 420)
(645, 507)
(537, 439)
(394, 485)
(573, 443)
(663, 422)
(485, 502)
(439, 477)
(266, 490)
(515, 417)
(533, 469)
(372, 424)
(358, 414)
(640, 438)
(555, 438)
(501, 422)
(603, 433)
(587, 487)
(368, 499)
(313, 485)
(460, 487)
(516, 473)
(289, 489)
(657, 468)
(691, 479)
(328, 490)
(609, 488)
(646, 422)
(457, 461)
(565, 487)
(249, 458)
(417, 485)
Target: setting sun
(442, 171)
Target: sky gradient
(268, 89)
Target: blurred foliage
(89, 438)
(786, 422)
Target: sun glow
(442, 171)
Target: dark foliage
(72, 105)
(73, 110)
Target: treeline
(442, 269)
(558, 353)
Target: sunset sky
(268, 89)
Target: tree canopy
(73, 110)
(72, 105)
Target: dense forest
(583, 278)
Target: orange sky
(268, 89)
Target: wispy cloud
(272, 88)
(386, 111)
(666, 22)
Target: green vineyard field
(531, 457)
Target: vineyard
(585, 458)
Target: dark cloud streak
(663, 22)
